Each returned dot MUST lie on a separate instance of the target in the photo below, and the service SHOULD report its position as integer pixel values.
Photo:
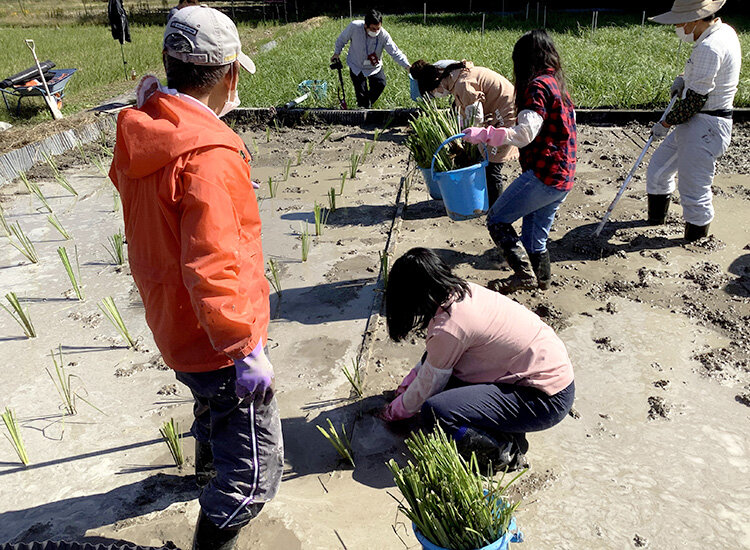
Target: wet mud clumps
(726, 364)
(658, 408)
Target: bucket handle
(446, 142)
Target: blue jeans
(528, 198)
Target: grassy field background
(622, 65)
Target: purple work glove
(255, 376)
(494, 137)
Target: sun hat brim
(673, 17)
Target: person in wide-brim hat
(685, 11)
(702, 117)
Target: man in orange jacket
(193, 231)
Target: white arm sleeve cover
(523, 133)
(428, 382)
(474, 115)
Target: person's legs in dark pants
(201, 430)
(495, 181)
(377, 85)
(247, 452)
(360, 89)
(496, 417)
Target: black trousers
(495, 181)
(366, 97)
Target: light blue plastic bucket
(464, 191)
(432, 186)
(414, 89)
(511, 535)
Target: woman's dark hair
(711, 17)
(187, 77)
(374, 17)
(535, 54)
(418, 284)
(428, 76)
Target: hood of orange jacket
(165, 128)
(193, 231)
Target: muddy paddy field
(655, 453)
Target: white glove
(678, 86)
(658, 130)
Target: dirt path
(656, 454)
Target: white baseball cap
(204, 36)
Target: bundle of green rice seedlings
(447, 498)
(431, 128)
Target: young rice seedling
(354, 377)
(170, 432)
(340, 442)
(14, 435)
(21, 317)
(332, 199)
(74, 276)
(275, 278)
(305, 238)
(33, 188)
(321, 218)
(115, 248)
(54, 222)
(24, 245)
(110, 311)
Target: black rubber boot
(506, 238)
(658, 206)
(503, 454)
(209, 537)
(542, 269)
(695, 232)
(204, 464)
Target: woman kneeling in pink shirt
(492, 371)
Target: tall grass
(622, 65)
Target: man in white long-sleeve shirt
(365, 57)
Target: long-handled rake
(631, 173)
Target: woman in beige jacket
(483, 98)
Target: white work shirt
(714, 66)
(363, 45)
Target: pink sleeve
(444, 349)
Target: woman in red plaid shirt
(546, 136)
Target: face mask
(685, 37)
(232, 102)
(373, 34)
